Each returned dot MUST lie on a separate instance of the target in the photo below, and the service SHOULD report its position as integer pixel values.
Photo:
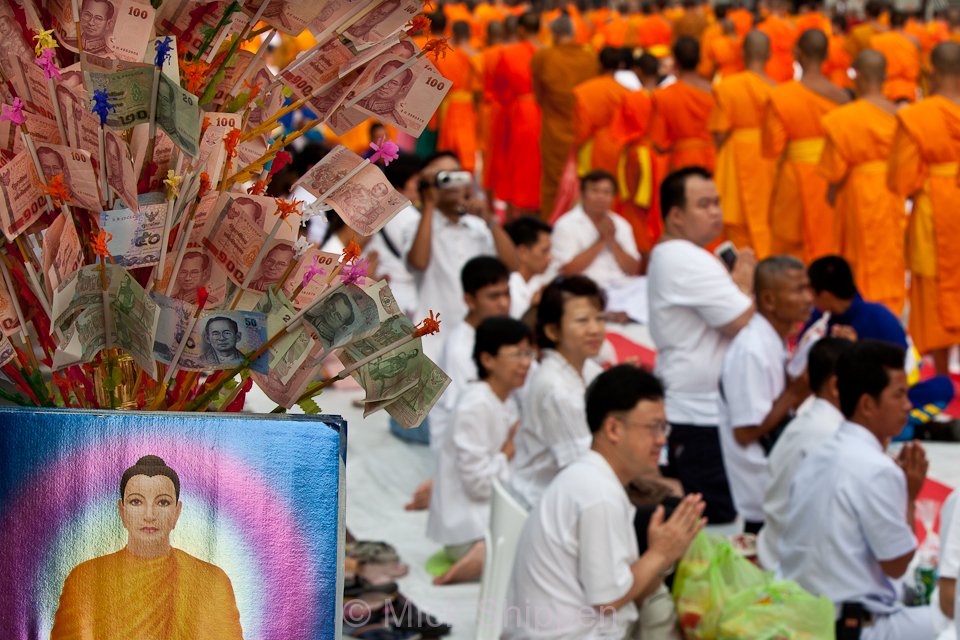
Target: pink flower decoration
(354, 273)
(384, 149)
(313, 271)
(46, 62)
(15, 113)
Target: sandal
(374, 552)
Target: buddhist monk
(492, 126)
(923, 167)
(902, 53)
(148, 589)
(870, 218)
(596, 101)
(811, 16)
(654, 30)
(556, 71)
(861, 35)
(782, 36)
(513, 84)
(721, 50)
(692, 23)
(457, 127)
(837, 65)
(801, 221)
(744, 177)
(681, 111)
(741, 17)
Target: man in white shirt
(578, 572)
(949, 566)
(849, 531)
(532, 238)
(448, 235)
(816, 423)
(755, 397)
(696, 308)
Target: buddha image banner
(127, 526)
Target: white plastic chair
(507, 516)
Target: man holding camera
(454, 227)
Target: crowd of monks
(826, 133)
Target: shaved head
(871, 66)
(494, 32)
(813, 44)
(946, 59)
(770, 272)
(562, 27)
(756, 47)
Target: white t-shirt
(575, 552)
(553, 429)
(394, 266)
(456, 360)
(848, 512)
(470, 458)
(574, 233)
(950, 543)
(691, 294)
(752, 378)
(811, 428)
(452, 245)
(522, 292)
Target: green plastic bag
(777, 611)
(710, 574)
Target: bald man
(783, 35)
(870, 218)
(902, 53)
(923, 167)
(744, 176)
(801, 222)
(556, 71)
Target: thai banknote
(197, 269)
(325, 105)
(316, 68)
(382, 21)
(178, 114)
(119, 167)
(136, 236)
(41, 128)
(110, 28)
(76, 167)
(82, 289)
(9, 322)
(31, 84)
(161, 159)
(414, 404)
(21, 200)
(349, 313)
(7, 352)
(189, 20)
(334, 14)
(129, 90)
(62, 253)
(312, 258)
(392, 373)
(212, 152)
(171, 65)
(286, 394)
(288, 16)
(172, 326)
(401, 95)
(290, 352)
(222, 339)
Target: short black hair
(440, 153)
(150, 466)
(461, 29)
(822, 360)
(525, 231)
(864, 369)
(399, 172)
(481, 272)
(494, 333)
(230, 321)
(438, 23)
(530, 21)
(833, 275)
(611, 58)
(647, 64)
(686, 53)
(555, 294)
(619, 388)
(598, 175)
(673, 189)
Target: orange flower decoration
(430, 326)
(204, 184)
(194, 75)
(253, 89)
(98, 242)
(287, 207)
(418, 23)
(258, 189)
(57, 190)
(437, 47)
(351, 253)
(230, 142)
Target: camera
(453, 179)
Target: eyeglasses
(86, 16)
(659, 428)
(520, 355)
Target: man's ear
(553, 332)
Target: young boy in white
(478, 446)
(578, 573)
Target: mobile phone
(728, 253)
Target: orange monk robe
(581, 28)
(712, 31)
(903, 65)
(723, 57)
(801, 221)
(654, 30)
(838, 62)
(636, 171)
(122, 596)
(742, 20)
(692, 23)
(484, 14)
(513, 85)
(813, 20)
(545, 35)
(493, 126)
(612, 33)
(923, 35)
(870, 220)
(782, 38)
(673, 13)
(457, 128)
(598, 17)
(859, 38)
(679, 125)
(744, 176)
(556, 71)
(596, 101)
(923, 166)
(456, 12)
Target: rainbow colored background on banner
(262, 500)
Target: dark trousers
(695, 459)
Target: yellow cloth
(123, 597)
